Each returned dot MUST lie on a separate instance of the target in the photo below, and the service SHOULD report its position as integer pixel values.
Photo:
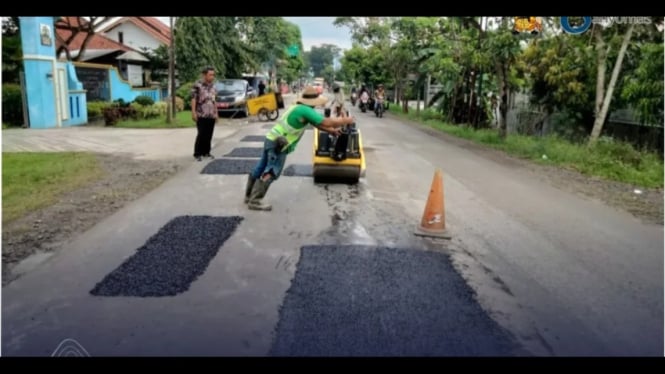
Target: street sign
(293, 50)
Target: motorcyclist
(379, 95)
(364, 99)
(338, 101)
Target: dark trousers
(205, 127)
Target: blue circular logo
(567, 27)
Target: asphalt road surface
(336, 269)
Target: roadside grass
(31, 181)
(608, 158)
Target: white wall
(133, 36)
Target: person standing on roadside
(204, 112)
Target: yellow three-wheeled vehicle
(266, 107)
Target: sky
(319, 30)
(315, 31)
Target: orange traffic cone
(433, 222)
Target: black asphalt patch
(253, 138)
(245, 152)
(298, 170)
(376, 301)
(229, 167)
(170, 260)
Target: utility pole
(172, 67)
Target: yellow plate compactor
(338, 159)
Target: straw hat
(311, 97)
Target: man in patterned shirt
(204, 112)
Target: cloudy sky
(315, 31)
(319, 30)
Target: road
(333, 269)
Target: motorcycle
(364, 102)
(353, 99)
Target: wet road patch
(229, 167)
(253, 138)
(377, 301)
(298, 170)
(170, 260)
(245, 152)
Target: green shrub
(159, 108)
(179, 103)
(185, 92)
(144, 100)
(111, 115)
(12, 105)
(96, 108)
(120, 103)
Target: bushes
(143, 107)
(185, 92)
(12, 105)
(179, 103)
(96, 109)
(144, 100)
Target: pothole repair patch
(229, 167)
(377, 301)
(170, 260)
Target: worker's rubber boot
(249, 187)
(258, 192)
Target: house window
(120, 38)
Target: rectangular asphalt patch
(376, 301)
(254, 138)
(298, 170)
(170, 260)
(245, 152)
(229, 166)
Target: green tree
(294, 65)
(644, 88)
(322, 57)
(12, 54)
(604, 91)
(195, 48)
(210, 41)
(158, 63)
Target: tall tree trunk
(471, 89)
(601, 61)
(418, 101)
(503, 99)
(451, 111)
(602, 114)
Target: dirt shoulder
(46, 230)
(646, 205)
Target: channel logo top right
(579, 25)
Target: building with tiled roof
(138, 32)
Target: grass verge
(31, 181)
(608, 158)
